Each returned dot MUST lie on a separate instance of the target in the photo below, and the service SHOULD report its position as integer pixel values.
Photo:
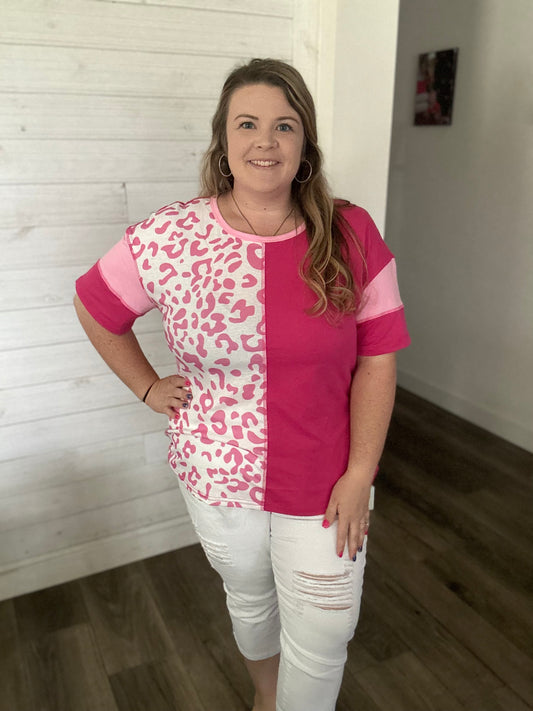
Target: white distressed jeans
(287, 591)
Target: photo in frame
(435, 84)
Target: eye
(284, 127)
(246, 124)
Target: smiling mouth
(264, 163)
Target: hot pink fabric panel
(384, 334)
(310, 363)
(120, 273)
(377, 254)
(381, 295)
(102, 304)
(310, 366)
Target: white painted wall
(106, 110)
(361, 101)
(460, 215)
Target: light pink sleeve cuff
(381, 296)
(119, 271)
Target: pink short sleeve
(381, 326)
(112, 291)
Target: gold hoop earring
(225, 175)
(310, 172)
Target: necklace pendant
(250, 224)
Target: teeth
(263, 163)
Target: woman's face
(265, 139)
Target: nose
(266, 139)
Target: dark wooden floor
(446, 623)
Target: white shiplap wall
(104, 115)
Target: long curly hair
(325, 267)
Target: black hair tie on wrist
(146, 393)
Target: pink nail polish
(187, 382)
(340, 555)
(325, 523)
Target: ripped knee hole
(327, 592)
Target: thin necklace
(248, 221)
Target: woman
(282, 309)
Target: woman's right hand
(170, 395)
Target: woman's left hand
(348, 503)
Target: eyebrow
(279, 118)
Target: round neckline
(246, 236)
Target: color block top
(269, 422)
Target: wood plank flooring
(446, 621)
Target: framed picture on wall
(435, 85)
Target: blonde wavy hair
(325, 267)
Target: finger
(172, 386)
(330, 515)
(178, 397)
(184, 394)
(363, 530)
(360, 541)
(366, 523)
(342, 534)
(178, 381)
(353, 541)
(183, 405)
(177, 404)
(177, 408)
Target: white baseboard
(103, 554)
(491, 421)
